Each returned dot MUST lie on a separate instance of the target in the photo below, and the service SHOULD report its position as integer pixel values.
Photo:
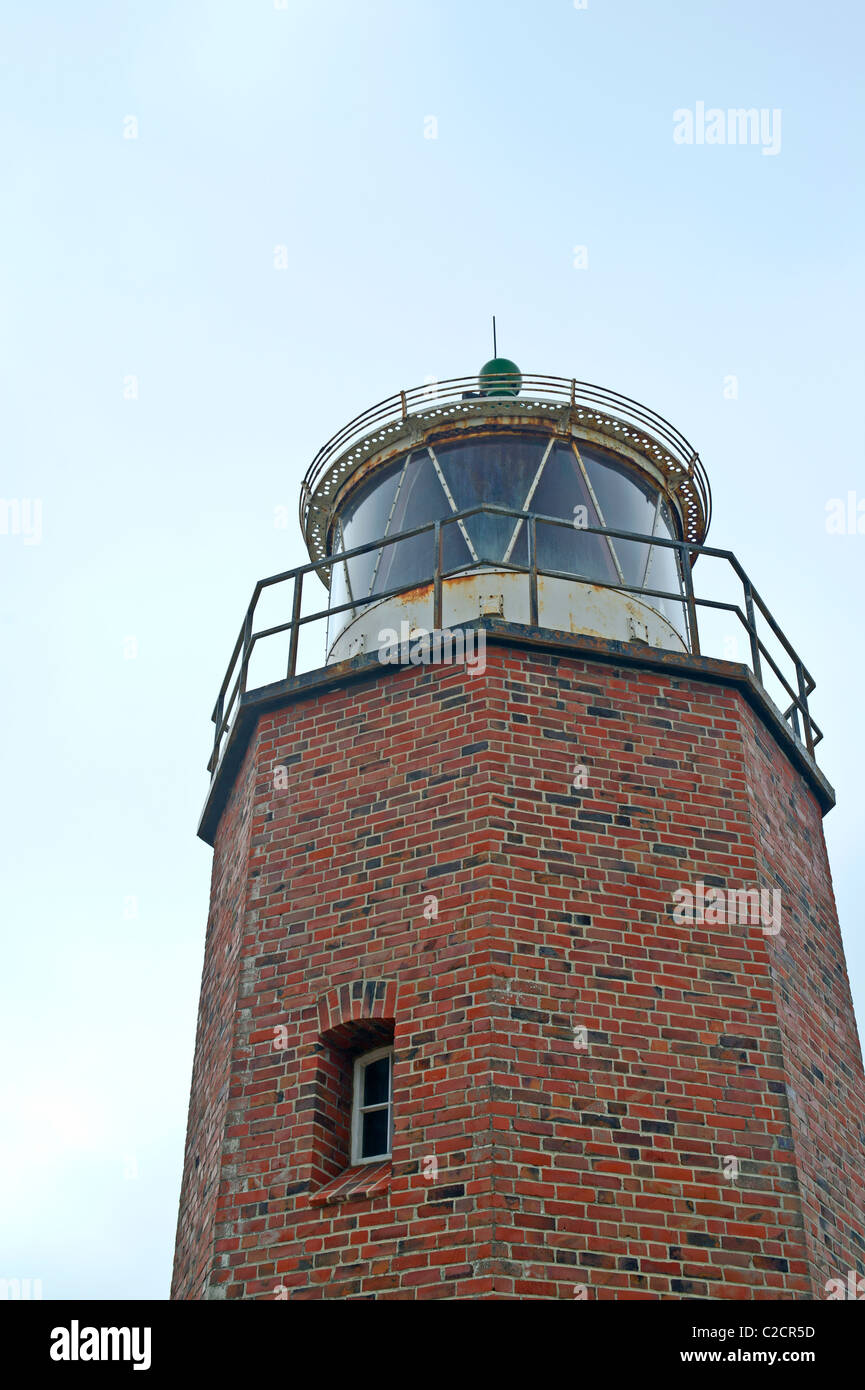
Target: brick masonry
(524, 1165)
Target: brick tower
(523, 975)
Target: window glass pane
(376, 1082)
(374, 1134)
(573, 552)
(421, 499)
(664, 571)
(455, 552)
(339, 579)
(518, 554)
(628, 504)
(561, 489)
(364, 518)
(626, 500)
(498, 469)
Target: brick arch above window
(358, 1008)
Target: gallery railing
(234, 685)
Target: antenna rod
(495, 352)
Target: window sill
(355, 1184)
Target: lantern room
(544, 501)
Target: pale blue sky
(154, 257)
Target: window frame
(358, 1110)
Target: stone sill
(356, 1184)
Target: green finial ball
(500, 377)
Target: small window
(372, 1111)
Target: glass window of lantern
(364, 518)
(626, 502)
(419, 499)
(663, 571)
(499, 469)
(562, 492)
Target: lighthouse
(522, 976)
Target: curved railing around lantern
(234, 684)
(457, 395)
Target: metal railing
(234, 684)
(455, 395)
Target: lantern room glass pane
(664, 572)
(364, 518)
(420, 499)
(339, 578)
(561, 491)
(627, 503)
(498, 469)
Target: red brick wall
(195, 1255)
(822, 1060)
(560, 1172)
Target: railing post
(244, 656)
(688, 579)
(533, 571)
(803, 702)
(294, 630)
(437, 577)
(752, 631)
(218, 714)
